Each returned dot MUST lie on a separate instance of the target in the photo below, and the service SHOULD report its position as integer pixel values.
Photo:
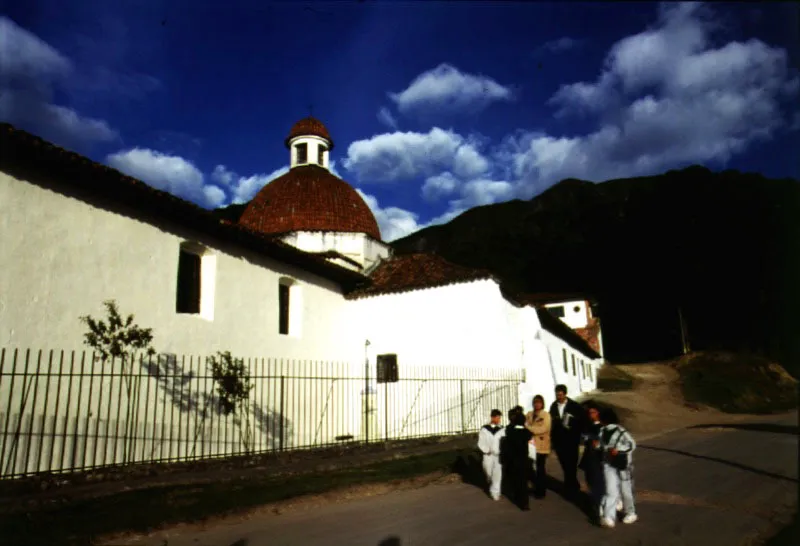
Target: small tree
(116, 338)
(233, 387)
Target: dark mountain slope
(721, 247)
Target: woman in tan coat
(538, 422)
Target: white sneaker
(630, 518)
(619, 506)
(607, 523)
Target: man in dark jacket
(568, 419)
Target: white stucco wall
(575, 313)
(356, 246)
(313, 143)
(63, 257)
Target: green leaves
(116, 338)
(232, 379)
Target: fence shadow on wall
(66, 411)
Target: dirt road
(703, 485)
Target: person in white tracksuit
(489, 443)
(617, 445)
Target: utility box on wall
(387, 368)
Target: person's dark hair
(519, 409)
(540, 398)
(519, 418)
(591, 405)
(608, 416)
(561, 388)
(496, 412)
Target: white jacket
(489, 439)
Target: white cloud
(565, 43)
(172, 174)
(386, 117)
(439, 185)
(243, 188)
(665, 97)
(445, 90)
(29, 71)
(406, 155)
(393, 222)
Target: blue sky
(434, 107)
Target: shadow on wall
(390, 541)
(176, 382)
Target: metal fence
(68, 411)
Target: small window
(387, 368)
(557, 311)
(566, 364)
(576, 309)
(283, 309)
(591, 375)
(583, 369)
(302, 153)
(189, 283)
(574, 370)
(321, 149)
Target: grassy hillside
(737, 383)
(723, 248)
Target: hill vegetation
(718, 250)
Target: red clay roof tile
(309, 198)
(415, 272)
(309, 127)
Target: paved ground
(702, 486)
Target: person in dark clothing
(568, 418)
(515, 457)
(592, 460)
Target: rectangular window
(574, 370)
(583, 369)
(302, 153)
(387, 368)
(188, 293)
(321, 154)
(557, 312)
(283, 309)
(591, 376)
(566, 364)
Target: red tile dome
(309, 198)
(309, 127)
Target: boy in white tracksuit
(489, 444)
(618, 446)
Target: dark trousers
(518, 482)
(540, 481)
(568, 459)
(596, 482)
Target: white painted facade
(63, 257)
(314, 145)
(576, 314)
(357, 246)
(462, 349)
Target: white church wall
(63, 257)
(356, 246)
(457, 346)
(575, 313)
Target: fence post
(282, 416)
(463, 419)
(386, 413)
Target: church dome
(309, 127)
(309, 198)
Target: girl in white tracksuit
(489, 444)
(617, 445)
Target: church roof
(309, 198)
(546, 298)
(31, 158)
(309, 127)
(416, 272)
(557, 327)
